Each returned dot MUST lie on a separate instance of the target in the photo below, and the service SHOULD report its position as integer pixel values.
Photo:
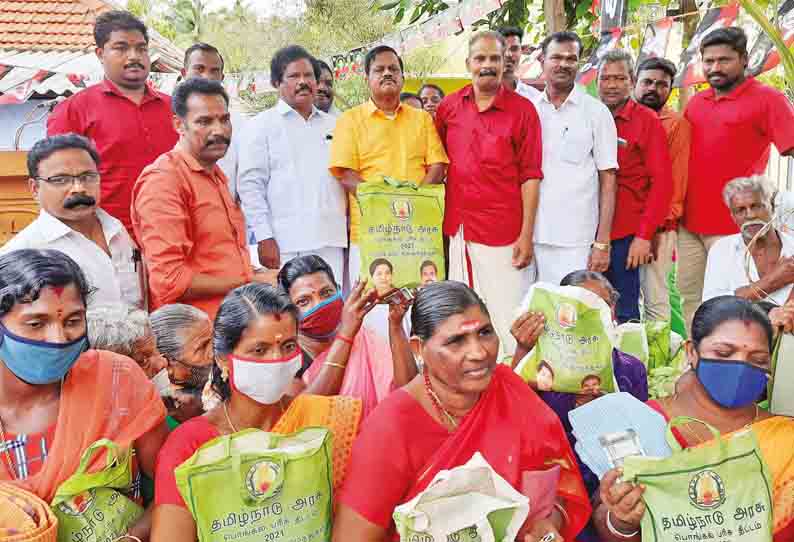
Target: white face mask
(264, 381)
(162, 383)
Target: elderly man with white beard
(767, 272)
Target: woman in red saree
(465, 402)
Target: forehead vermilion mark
(469, 325)
(277, 317)
(58, 290)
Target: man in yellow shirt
(381, 138)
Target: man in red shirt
(128, 120)
(654, 84)
(493, 140)
(733, 124)
(644, 181)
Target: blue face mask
(731, 384)
(39, 362)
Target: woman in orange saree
(730, 354)
(56, 396)
(465, 402)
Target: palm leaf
(786, 56)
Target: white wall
(12, 116)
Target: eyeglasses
(62, 181)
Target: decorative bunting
(613, 14)
(763, 55)
(589, 71)
(690, 69)
(655, 40)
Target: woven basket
(24, 517)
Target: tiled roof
(59, 26)
(42, 25)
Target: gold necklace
(698, 439)
(229, 419)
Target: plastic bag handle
(681, 420)
(396, 183)
(111, 458)
(238, 475)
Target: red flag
(690, 68)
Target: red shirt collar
(149, 92)
(499, 99)
(625, 112)
(711, 94)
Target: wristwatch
(600, 246)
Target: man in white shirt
(513, 36)
(580, 145)
(291, 202)
(760, 270)
(64, 179)
(205, 61)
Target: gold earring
(225, 373)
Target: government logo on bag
(707, 490)
(261, 477)
(78, 504)
(566, 315)
(402, 209)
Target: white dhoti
(490, 272)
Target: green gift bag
(91, 506)
(634, 340)
(401, 224)
(574, 353)
(719, 491)
(254, 486)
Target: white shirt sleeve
(605, 139)
(254, 176)
(717, 280)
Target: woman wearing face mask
(730, 353)
(57, 396)
(464, 402)
(344, 356)
(184, 337)
(255, 337)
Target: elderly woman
(757, 263)
(255, 339)
(126, 330)
(57, 397)
(731, 343)
(465, 402)
(184, 336)
(345, 357)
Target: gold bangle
(332, 364)
(600, 246)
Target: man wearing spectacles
(65, 180)
(127, 119)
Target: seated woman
(345, 357)
(630, 373)
(184, 337)
(126, 330)
(465, 402)
(57, 397)
(731, 342)
(256, 358)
